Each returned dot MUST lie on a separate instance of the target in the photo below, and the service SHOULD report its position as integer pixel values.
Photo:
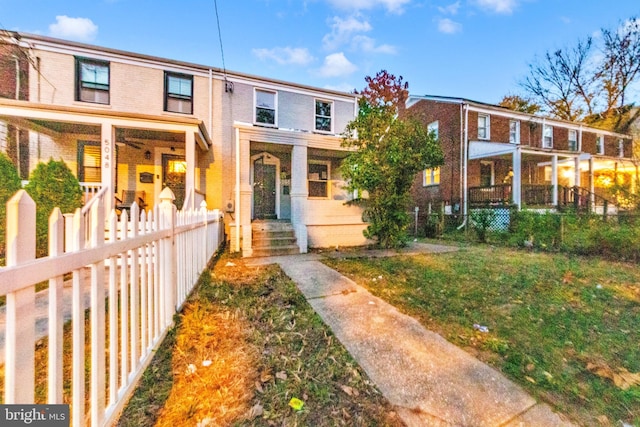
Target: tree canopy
(388, 151)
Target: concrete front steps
(273, 237)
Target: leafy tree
(387, 153)
(519, 103)
(9, 184)
(52, 185)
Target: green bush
(534, 229)
(9, 184)
(52, 185)
(482, 220)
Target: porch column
(516, 181)
(554, 180)
(108, 146)
(246, 193)
(190, 177)
(592, 185)
(576, 180)
(299, 194)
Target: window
(487, 174)
(89, 159)
(178, 93)
(323, 116)
(547, 136)
(514, 131)
(431, 177)
(600, 144)
(483, 126)
(433, 126)
(319, 172)
(620, 148)
(92, 81)
(265, 107)
(573, 140)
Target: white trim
(275, 107)
(600, 147)
(575, 133)
(517, 131)
(269, 159)
(487, 126)
(546, 126)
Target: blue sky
(477, 49)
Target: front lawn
(567, 329)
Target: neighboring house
(259, 149)
(497, 157)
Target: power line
(228, 86)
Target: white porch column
(108, 146)
(299, 194)
(190, 178)
(516, 181)
(592, 185)
(576, 180)
(554, 179)
(246, 193)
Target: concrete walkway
(429, 381)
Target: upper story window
(178, 93)
(92, 81)
(483, 126)
(265, 107)
(547, 136)
(620, 148)
(323, 115)
(514, 131)
(573, 140)
(431, 177)
(600, 144)
(433, 127)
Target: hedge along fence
(616, 236)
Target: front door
(174, 170)
(264, 189)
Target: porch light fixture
(147, 155)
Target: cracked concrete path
(430, 381)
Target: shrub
(52, 185)
(9, 184)
(482, 220)
(534, 229)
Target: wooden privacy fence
(135, 270)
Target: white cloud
(368, 45)
(285, 55)
(393, 6)
(342, 31)
(81, 29)
(448, 26)
(342, 87)
(450, 9)
(497, 6)
(336, 65)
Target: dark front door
(174, 170)
(264, 190)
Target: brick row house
(261, 150)
(497, 157)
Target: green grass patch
(565, 328)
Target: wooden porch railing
(494, 195)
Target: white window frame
(255, 107)
(487, 126)
(544, 136)
(620, 147)
(429, 177)
(316, 115)
(327, 181)
(574, 140)
(600, 144)
(434, 126)
(514, 134)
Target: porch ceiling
(481, 150)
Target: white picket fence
(138, 269)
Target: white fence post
(19, 383)
(77, 325)
(168, 257)
(56, 320)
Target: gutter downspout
(210, 101)
(15, 58)
(237, 202)
(465, 204)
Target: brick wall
(9, 75)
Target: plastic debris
(296, 403)
(206, 363)
(480, 328)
